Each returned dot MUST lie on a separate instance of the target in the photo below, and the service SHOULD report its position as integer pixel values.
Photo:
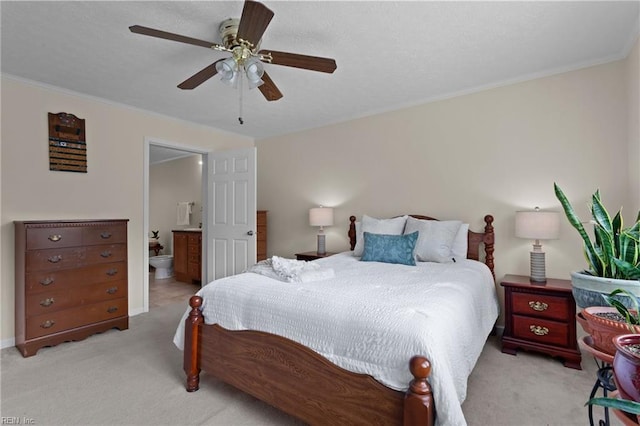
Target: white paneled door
(232, 234)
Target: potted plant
(626, 366)
(613, 256)
(606, 323)
(153, 240)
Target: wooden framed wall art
(67, 143)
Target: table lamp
(537, 225)
(321, 216)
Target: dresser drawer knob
(106, 234)
(112, 290)
(539, 330)
(106, 254)
(538, 306)
(55, 237)
(47, 281)
(55, 259)
(47, 324)
(112, 309)
(111, 272)
(47, 302)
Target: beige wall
(172, 182)
(112, 188)
(495, 151)
(633, 82)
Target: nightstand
(312, 255)
(540, 317)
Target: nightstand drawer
(540, 330)
(541, 305)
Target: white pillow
(435, 239)
(461, 243)
(393, 226)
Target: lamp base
(322, 250)
(538, 274)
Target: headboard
(475, 239)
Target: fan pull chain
(240, 72)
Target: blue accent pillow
(390, 248)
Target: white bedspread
(372, 318)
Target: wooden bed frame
(300, 382)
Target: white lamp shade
(537, 225)
(321, 216)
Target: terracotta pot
(603, 330)
(626, 367)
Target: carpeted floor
(135, 377)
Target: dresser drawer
(52, 259)
(55, 300)
(106, 253)
(54, 237)
(42, 281)
(104, 234)
(541, 305)
(49, 323)
(541, 330)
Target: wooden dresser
(261, 238)
(187, 256)
(70, 279)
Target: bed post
(191, 344)
(489, 239)
(352, 232)
(418, 401)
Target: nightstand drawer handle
(538, 306)
(55, 259)
(539, 330)
(105, 235)
(105, 254)
(55, 237)
(111, 272)
(47, 324)
(47, 302)
(112, 290)
(112, 309)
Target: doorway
(158, 151)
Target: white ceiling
(389, 54)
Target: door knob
(250, 233)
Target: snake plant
(631, 316)
(615, 250)
(631, 407)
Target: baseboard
(7, 343)
(134, 312)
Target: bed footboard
(297, 380)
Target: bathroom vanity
(187, 255)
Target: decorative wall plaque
(67, 144)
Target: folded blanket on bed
(291, 270)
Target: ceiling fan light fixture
(255, 70)
(227, 70)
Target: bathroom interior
(175, 206)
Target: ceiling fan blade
(253, 22)
(269, 89)
(200, 77)
(174, 37)
(313, 63)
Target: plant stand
(604, 378)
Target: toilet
(163, 265)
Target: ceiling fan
(242, 39)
